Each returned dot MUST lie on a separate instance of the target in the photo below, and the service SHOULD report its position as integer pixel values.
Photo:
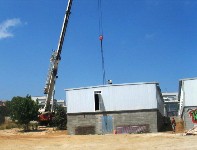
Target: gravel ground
(15, 139)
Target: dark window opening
(96, 98)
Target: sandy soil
(14, 139)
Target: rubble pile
(180, 126)
(192, 131)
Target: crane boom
(49, 89)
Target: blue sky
(144, 41)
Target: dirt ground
(14, 139)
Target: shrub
(60, 118)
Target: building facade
(188, 102)
(42, 100)
(123, 108)
(171, 104)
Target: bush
(2, 114)
(9, 125)
(2, 119)
(60, 118)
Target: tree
(24, 110)
(7, 105)
(2, 114)
(60, 118)
(4, 111)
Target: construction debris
(179, 125)
(192, 131)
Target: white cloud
(5, 26)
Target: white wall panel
(190, 92)
(160, 102)
(129, 97)
(80, 101)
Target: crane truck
(46, 113)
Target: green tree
(2, 114)
(4, 111)
(24, 110)
(7, 105)
(60, 118)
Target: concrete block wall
(76, 120)
(160, 122)
(137, 118)
(120, 118)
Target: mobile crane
(49, 89)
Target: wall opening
(97, 100)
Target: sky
(144, 41)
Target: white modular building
(131, 107)
(188, 102)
